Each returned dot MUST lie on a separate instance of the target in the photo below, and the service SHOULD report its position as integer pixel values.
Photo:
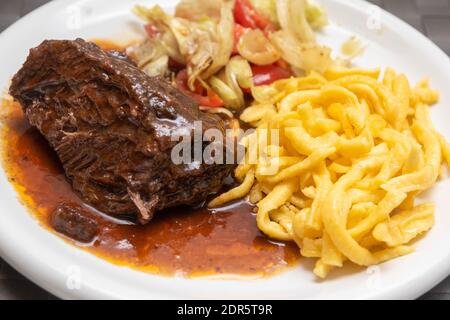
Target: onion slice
(304, 56)
(292, 18)
(256, 48)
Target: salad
(219, 52)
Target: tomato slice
(243, 15)
(211, 99)
(265, 75)
(262, 22)
(238, 32)
(246, 15)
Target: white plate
(53, 264)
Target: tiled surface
(431, 17)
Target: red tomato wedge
(243, 15)
(211, 99)
(238, 32)
(246, 15)
(265, 75)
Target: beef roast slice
(111, 126)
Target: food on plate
(353, 47)
(214, 48)
(332, 169)
(74, 222)
(112, 127)
(354, 152)
(181, 241)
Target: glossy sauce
(191, 242)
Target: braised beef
(75, 223)
(111, 126)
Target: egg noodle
(353, 154)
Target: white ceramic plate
(54, 265)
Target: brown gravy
(192, 242)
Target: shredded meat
(112, 127)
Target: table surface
(431, 17)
